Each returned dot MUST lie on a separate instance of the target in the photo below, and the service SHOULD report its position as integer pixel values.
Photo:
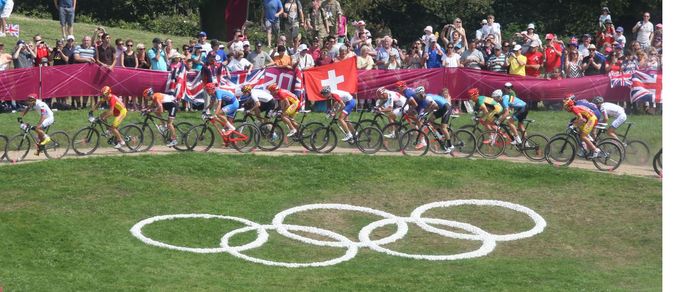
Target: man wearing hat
(23, 55)
(157, 56)
(606, 35)
(592, 64)
(302, 60)
(553, 52)
(517, 62)
(202, 40)
(480, 33)
(259, 58)
(198, 57)
(534, 60)
(532, 36)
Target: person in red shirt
(585, 121)
(553, 53)
(534, 60)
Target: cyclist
(441, 108)
(227, 106)
(289, 102)
(610, 109)
(161, 102)
(488, 106)
(46, 119)
(509, 102)
(117, 109)
(391, 103)
(593, 108)
(257, 101)
(585, 123)
(346, 104)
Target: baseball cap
(156, 40)
(605, 9)
(530, 26)
(428, 28)
(587, 35)
(259, 44)
(619, 29)
(303, 47)
(549, 36)
(516, 48)
(484, 21)
(20, 42)
(201, 33)
(618, 46)
(221, 46)
(70, 37)
(197, 46)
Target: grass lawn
(65, 224)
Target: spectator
(142, 61)
(205, 45)
(237, 44)
(85, 53)
(97, 36)
(360, 30)
(360, 38)
(642, 61)
(472, 58)
(583, 47)
(653, 61)
(5, 58)
(658, 37)
(302, 60)
(6, 7)
(553, 53)
(58, 56)
(178, 68)
(69, 48)
(532, 36)
(292, 16)
(365, 61)
(343, 54)
(282, 60)
(67, 10)
(315, 50)
(258, 58)
(317, 20)
(605, 14)
(488, 48)
(247, 49)
(105, 53)
(592, 64)
(220, 56)
(433, 58)
(573, 65)
(428, 36)
(120, 51)
(293, 50)
(644, 31)
(451, 59)
(614, 62)
(324, 58)
(517, 62)
(492, 28)
(341, 27)
(506, 49)
(447, 35)
(272, 10)
(187, 55)
(212, 70)
(620, 38)
(498, 62)
(393, 61)
(168, 47)
(630, 62)
(534, 60)
(157, 56)
(128, 59)
(384, 52)
(198, 57)
(281, 41)
(42, 51)
(332, 9)
(462, 34)
(607, 34)
(414, 57)
(238, 63)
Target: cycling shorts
(171, 108)
(586, 129)
(349, 107)
(619, 121)
(443, 113)
(47, 122)
(118, 119)
(230, 110)
(520, 114)
(292, 109)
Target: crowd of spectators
(304, 37)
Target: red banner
(342, 75)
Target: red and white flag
(339, 76)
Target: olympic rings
(488, 240)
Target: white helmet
(497, 93)
(420, 90)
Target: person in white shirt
(46, 118)
(480, 33)
(302, 60)
(605, 14)
(614, 111)
(428, 33)
(239, 63)
(492, 28)
(257, 100)
(620, 38)
(644, 30)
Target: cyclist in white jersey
(391, 103)
(257, 100)
(46, 117)
(346, 104)
(611, 110)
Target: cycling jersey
(439, 100)
(225, 96)
(43, 109)
(260, 95)
(409, 92)
(388, 102)
(585, 113)
(613, 110)
(294, 103)
(162, 97)
(119, 109)
(590, 106)
(340, 95)
(494, 108)
(398, 100)
(513, 102)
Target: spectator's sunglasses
(129, 45)
(451, 47)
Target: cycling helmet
(420, 90)
(147, 93)
(568, 103)
(473, 93)
(326, 90)
(381, 91)
(246, 89)
(106, 90)
(497, 93)
(570, 96)
(32, 97)
(598, 99)
(508, 85)
(400, 84)
(210, 88)
(272, 87)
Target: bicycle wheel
(133, 137)
(304, 134)
(511, 150)
(252, 138)
(658, 162)
(367, 123)
(200, 138)
(271, 136)
(17, 148)
(637, 152)
(148, 134)
(534, 147)
(3, 145)
(86, 141)
(611, 156)
(392, 133)
(181, 132)
(323, 140)
(436, 145)
(560, 151)
(414, 143)
(369, 140)
(464, 142)
(491, 144)
(59, 145)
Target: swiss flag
(339, 76)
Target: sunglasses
(458, 22)
(450, 47)
(129, 45)
(140, 48)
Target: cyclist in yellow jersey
(117, 109)
(488, 106)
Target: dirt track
(624, 169)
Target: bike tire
(410, 140)
(637, 152)
(658, 162)
(324, 140)
(611, 157)
(181, 132)
(512, 150)
(367, 123)
(369, 140)
(305, 132)
(253, 138)
(85, 141)
(132, 137)
(471, 128)
(491, 144)
(200, 138)
(271, 138)
(392, 142)
(147, 137)
(17, 148)
(560, 151)
(534, 147)
(3, 145)
(464, 142)
(59, 146)
(436, 146)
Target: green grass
(65, 224)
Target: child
(341, 24)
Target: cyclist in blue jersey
(520, 108)
(227, 105)
(442, 109)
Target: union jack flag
(236, 80)
(646, 87)
(12, 29)
(620, 79)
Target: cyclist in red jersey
(117, 109)
(585, 121)
(290, 105)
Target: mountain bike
(492, 143)
(658, 162)
(369, 140)
(149, 126)
(273, 135)
(244, 138)
(636, 151)
(463, 141)
(86, 140)
(393, 131)
(18, 146)
(563, 148)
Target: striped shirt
(85, 52)
(496, 63)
